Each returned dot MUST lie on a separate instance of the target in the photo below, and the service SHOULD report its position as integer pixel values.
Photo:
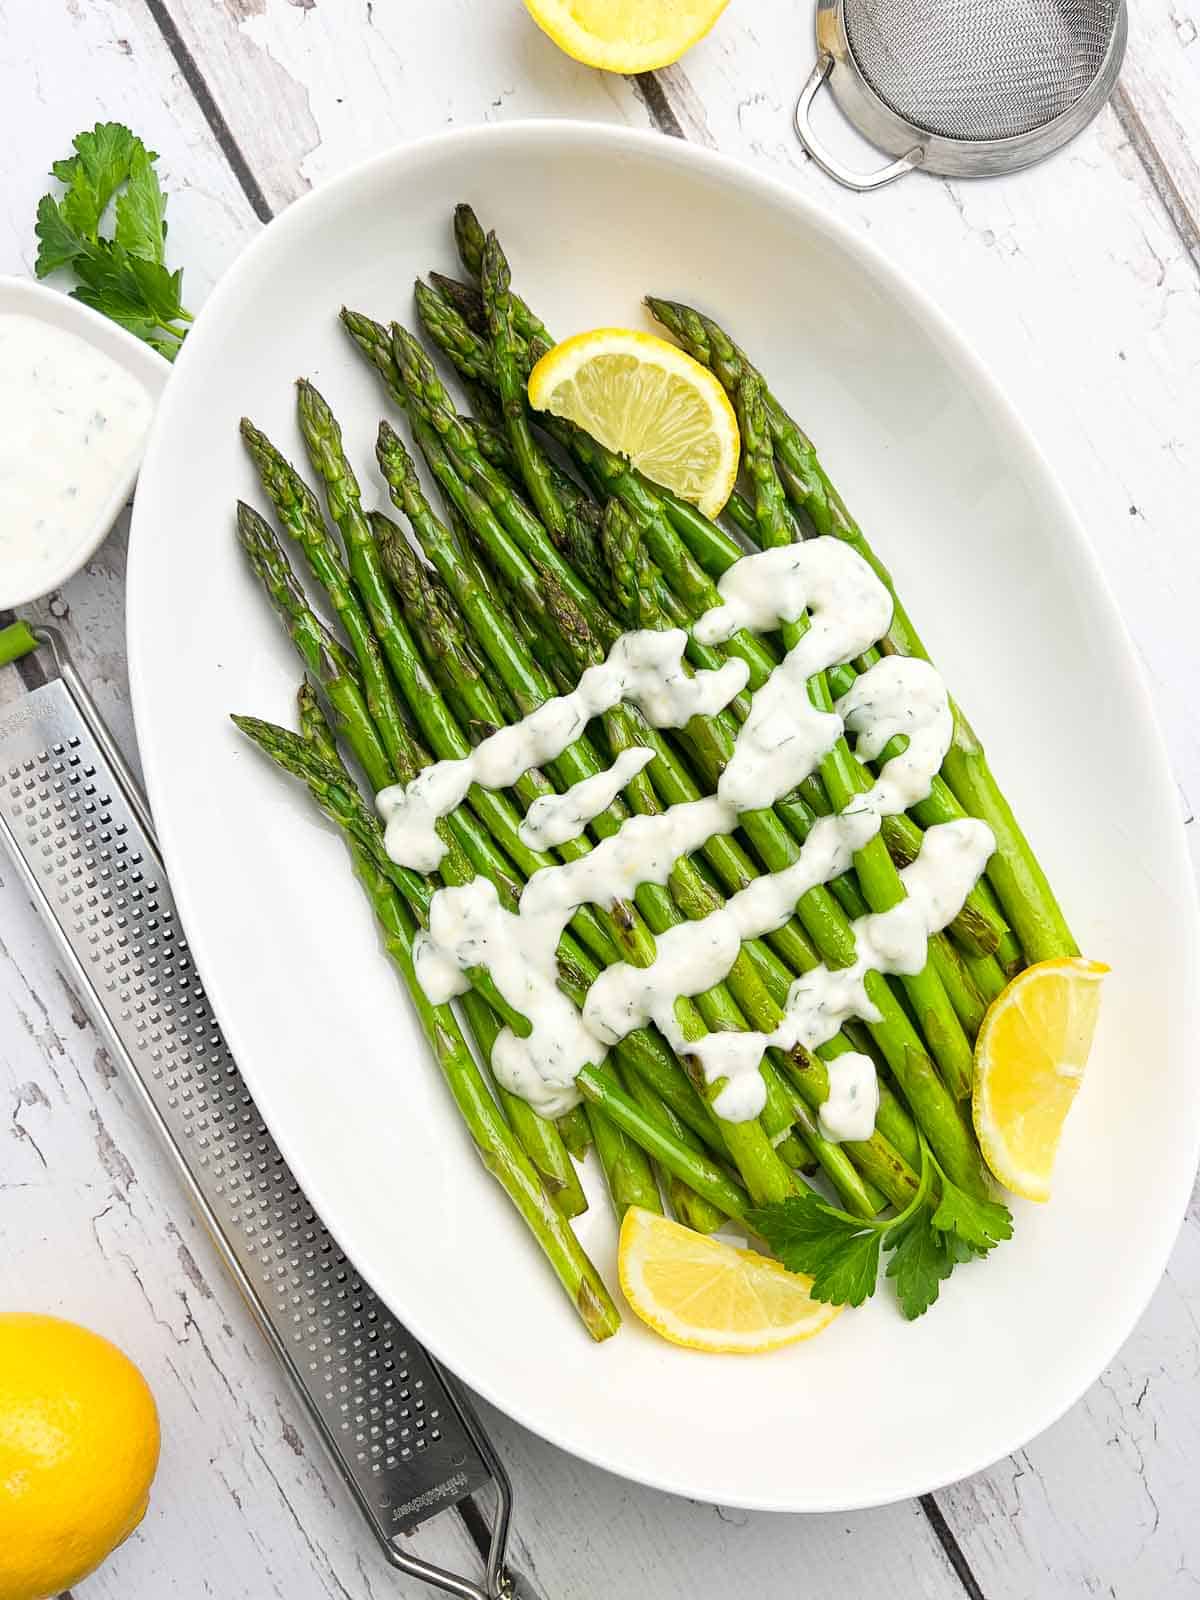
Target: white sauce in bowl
(72, 423)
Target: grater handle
(456, 1417)
(861, 182)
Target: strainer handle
(829, 163)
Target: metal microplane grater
(402, 1437)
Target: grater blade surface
(403, 1440)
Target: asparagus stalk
(576, 1135)
(689, 1207)
(397, 469)
(978, 926)
(340, 802)
(300, 516)
(534, 470)
(539, 1138)
(464, 297)
(1015, 872)
(316, 646)
(471, 239)
(495, 1144)
(822, 917)
(761, 1167)
(625, 1166)
(843, 776)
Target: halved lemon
(706, 1295)
(1029, 1061)
(625, 35)
(651, 402)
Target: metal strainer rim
(891, 132)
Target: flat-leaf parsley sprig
(940, 1227)
(123, 275)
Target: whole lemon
(78, 1448)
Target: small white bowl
(23, 297)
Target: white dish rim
(925, 311)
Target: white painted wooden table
(1079, 283)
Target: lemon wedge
(651, 402)
(1029, 1061)
(625, 35)
(696, 1291)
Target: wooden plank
(344, 81)
(577, 1529)
(84, 63)
(1104, 1503)
(1158, 103)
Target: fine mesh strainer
(965, 88)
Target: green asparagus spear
(1017, 875)
(497, 1148)
(625, 1166)
(397, 469)
(341, 803)
(827, 926)
(759, 1163)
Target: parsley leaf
(979, 1224)
(937, 1231)
(100, 165)
(839, 1252)
(122, 276)
(919, 1263)
(928, 1245)
(141, 210)
(58, 242)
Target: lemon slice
(1029, 1061)
(706, 1295)
(651, 402)
(625, 35)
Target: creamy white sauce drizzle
(555, 818)
(699, 954)
(646, 668)
(781, 742)
(71, 423)
(853, 1100)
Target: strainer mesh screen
(980, 69)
